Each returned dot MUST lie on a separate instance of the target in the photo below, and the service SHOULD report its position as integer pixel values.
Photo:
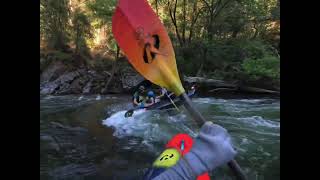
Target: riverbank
(64, 74)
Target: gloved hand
(212, 148)
(141, 105)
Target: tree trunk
(174, 20)
(234, 33)
(213, 85)
(203, 61)
(193, 20)
(215, 9)
(200, 70)
(156, 2)
(77, 40)
(114, 67)
(255, 31)
(184, 22)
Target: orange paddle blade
(143, 38)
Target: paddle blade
(143, 38)
(129, 113)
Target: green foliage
(81, 32)
(253, 48)
(268, 66)
(54, 16)
(102, 9)
(220, 39)
(101, 12)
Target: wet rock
(64, 84)
(87, 87)
(76, 86)
(48, 88)
(52, 72)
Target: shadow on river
(87, 137)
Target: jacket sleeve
(181, 171)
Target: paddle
(130, 112)
(142, 37)
(173, 103)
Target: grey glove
(212, 148)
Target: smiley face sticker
(167, 158)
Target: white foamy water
(138, 125)
(152, 126)
(259, 121)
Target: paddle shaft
(233, 165)
(173, 103)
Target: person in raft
(142, 101)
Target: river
(88, 137)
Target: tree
(54, 23)
(103, 10)
(81, 30)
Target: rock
(57, 125)
(46, 138)
(68, 77)
(52, 72)
(75, 86)
(63, 85)
(130, 79)
(104, 91)
(50, 141)
(48, 88)
(87, 87)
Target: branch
(193, 22)
(206, 3)
(173, 18)
(223, 89)
(175, 9)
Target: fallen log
(215, 86)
